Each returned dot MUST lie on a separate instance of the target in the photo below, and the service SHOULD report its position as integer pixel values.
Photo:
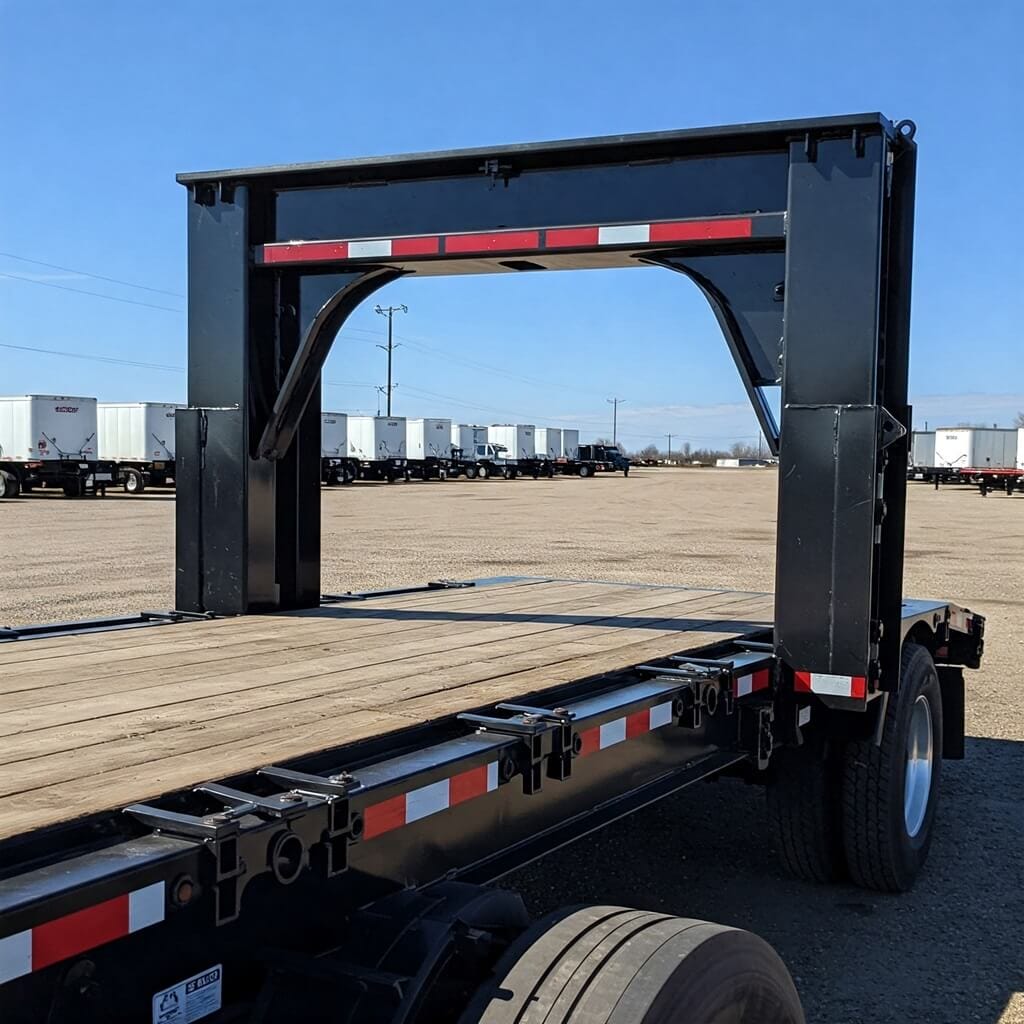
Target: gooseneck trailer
(270, 806)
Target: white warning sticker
(191, 999)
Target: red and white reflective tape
(743, 686)
(491, 243)
(438, 796)
(67, 936)
(827, 685)
(626, 728)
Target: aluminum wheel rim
(917, 785)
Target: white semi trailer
(548, 442)
(428, 446)
(336, 465)
(50, 441)
(139, 438)
(978, 448)
(378, 444)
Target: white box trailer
(467, 436)
(922, 449)
(516, 438)
(963, 448)
(139, 437)
(50, 440)
(428, 438)
(570, 444)
(1020, 448)
(548, 442)
(336, 465)
(378, 444)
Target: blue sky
(104, 102)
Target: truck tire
(10, 485)
(610, 965)
(585, 471)
(804, 793)
(74, 488)
(471, 472)
(134, 482)
(483, 472)
(509, 473)
(890, 789)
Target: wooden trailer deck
(94, 722)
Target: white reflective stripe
(15, 956)
(492, 776)
(146, 906)
(623, 233)
(803, 715)
(378, 247)
(613, 732)
(661, 714)
(426, 800)
(835, 686)
(744, 685)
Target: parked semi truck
(51, 441)
(378, 445)
(139, 438)
(598, 458)
(310, 829)
(336, 465)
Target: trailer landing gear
(610, 965)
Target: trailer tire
(610, 965)
(890, 789)
(803, 795)
(74, 488)
(483, 472)
(10, 485)
(134, 482)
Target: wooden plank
(277, 633)
(87, 792)
(37, 730)
(73, 645)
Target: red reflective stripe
(501, 242)
(557, 238)
(697, 230)
(760, 680)
(802, 681)
(304, 253)
(415, 246)
(590, 741)
(858, 686)
(383, 817)
(467, 785)
(77, 932)
(638, 723)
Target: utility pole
(669, 436)
(615, 403)
(389, 312)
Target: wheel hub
(917, 785)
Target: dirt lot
(951, 951)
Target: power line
(87, 273)
(94, 357)
(83, 291)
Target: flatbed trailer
(271, 804)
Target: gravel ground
(950, 951)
